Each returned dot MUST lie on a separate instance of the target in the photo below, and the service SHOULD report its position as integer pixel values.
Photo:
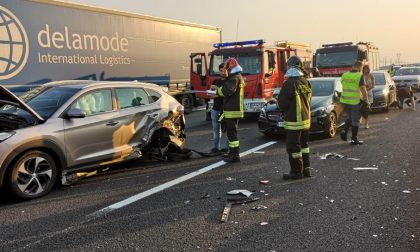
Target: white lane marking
(169, 184)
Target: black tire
(331, 125)
(32, 175)
(188, 103)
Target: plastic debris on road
(375, 235)
(259, 208)
(264, 223)
(384, 183)
(230, 179)
(264, 182)
(207, 195)
(406, 191)
(331, 155)
(240, 191)
(365, 168)
(355, 159)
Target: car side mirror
(75, 113)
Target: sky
(393, 26)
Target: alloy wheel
(34, 175)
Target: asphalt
(339, 209)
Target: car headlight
(6, 135)
(318, 111)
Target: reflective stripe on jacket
(295, 100)
(351, 88)
(233, 96)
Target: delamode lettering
(75, 41)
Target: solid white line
(171, 183)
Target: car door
(89, 140)
(138, 116)
(338, 106)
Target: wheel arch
(46, 146)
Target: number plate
(280, 124)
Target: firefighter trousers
(232, 133)
(298, 149)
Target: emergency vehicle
(336, 59)
(263, 68)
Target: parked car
(408, 76)
(385, 91)
(326, 111)
(65, 127)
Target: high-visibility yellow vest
(351, 90)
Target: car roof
(82, 84)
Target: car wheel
(187, 102)
(331, 125)
(32, 175)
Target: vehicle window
(379, 79)
(131, 97)
(335, 59)
(153, 95)
(94, 102)
(251, 62)
(45, 101)
(322, 88)
(408, 71)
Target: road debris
(406, 191)
(205, 196)
(259, 208)
(375, 235)
(264, 182)
(331, 155)
(230, 203)
(365, 168)
(384, 183)
(355, 159)
(264, 223)
(230, 179)
(240, 191)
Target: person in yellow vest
(294, 101)
(232, 92)
(353, 95)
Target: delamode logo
(14, 45)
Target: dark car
(325, 110)
(384, 93)
(65, 127)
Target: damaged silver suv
(64, 127)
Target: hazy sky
(393, 26)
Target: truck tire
(188, 103)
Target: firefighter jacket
(351, 88)
(295, 101)
(232, 92)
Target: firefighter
(232, 92)
(295, 102)
(354, 97)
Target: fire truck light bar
(239, 43)
(338, 44)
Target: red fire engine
(336, 59)
(263, 68)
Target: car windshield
(336, 59)
(379, 79)
(249, 61)
(408, 71)
(322, 87)
(44, 101)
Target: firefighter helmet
(231, 63)
(295, 62)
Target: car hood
(320, 101)
(8, 98)
(378, 88)
(406, 77)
